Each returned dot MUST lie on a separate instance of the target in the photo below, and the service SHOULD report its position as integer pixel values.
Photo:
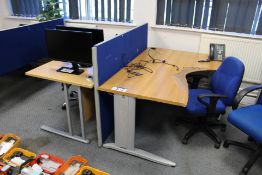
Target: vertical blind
(180, 12)
(26, 8)
(241, 16)
(73, 12)
(100, 10)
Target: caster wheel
(250, 139)
(217, 145)
(71, 95)
(9, 172)
(223, 129)
(184, 141)
(225, 145)
(63, 107)
(243, 173)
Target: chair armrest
(197, 76)
(211, 106)
(196, 79)
(243, 93)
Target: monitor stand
(71, 70)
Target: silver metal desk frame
(70, 133)
(124, 118)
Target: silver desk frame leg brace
(124, 108)
(70, 133)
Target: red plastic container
(43, 159)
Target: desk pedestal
(70, 133)
(124, 108)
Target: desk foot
(142, 154)
(64, 134)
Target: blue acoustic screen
(23, 45)
(116, 53)
(112, 56)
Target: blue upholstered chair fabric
(249, 120)
(225, 81)
(205, 103)
(195, 107)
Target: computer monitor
(70, 46)
(98, 34)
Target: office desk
(165, 85)
(85, 95)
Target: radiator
(247, 50)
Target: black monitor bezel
(70, 60)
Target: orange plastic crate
(94, 171)
(8, 137)
(27, 154)
(69, 162)
(51, 158)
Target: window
(241, 16)
(25, 8)
(98, 10)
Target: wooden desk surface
(165, 84)
(48, 72)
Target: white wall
(144, 11)
(1, 14)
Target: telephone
(217, 52)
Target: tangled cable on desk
(155, 60)
(133, 68)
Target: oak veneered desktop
(165, 84)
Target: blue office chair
(249, 120)
(207, 103)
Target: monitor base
(70, 70)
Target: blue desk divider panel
(23, 45)
(113, 55)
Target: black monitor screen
(70, 46)
(98, 34)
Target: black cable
(132, 68)
(154, 60)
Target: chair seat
(249, 120)
(198, 109)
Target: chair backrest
(259, 100)
(227, 79)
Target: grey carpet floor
(27, 103)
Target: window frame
(204, 31)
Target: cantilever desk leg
(70, 133)
(69, 121)
(82, 122)
(124, 108)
